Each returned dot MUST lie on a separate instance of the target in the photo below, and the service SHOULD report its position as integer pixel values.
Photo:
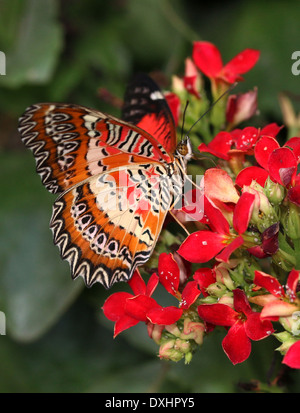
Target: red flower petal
(243, 212)
(218, 186)
(207, 58)
(292, 357)
(114, 305)
(241, 107)
(292, 282)
(252, 173)
(204, 278)
(263, 149)
(241, 63)
(218, 314)
(271, 130)
(269, 282)
(227, 251)
(294, 144)
(152, 284)
(124, 323)
(236, 344)
(189, 294)
(137, 307)
(278, 308)
(164, 315)
(204, 148)
(169, 273)
(257, 251)
(282, 166)
(247, 138)
(256, 329)
(219, 146)
(294, 195)
(214, 218)
(137, 284)
(201, 246)
(240, 302)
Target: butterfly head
(184, 149)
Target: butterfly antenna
(183, 118)
(211, 106)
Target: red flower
(226, 145)
(191, 78)
(244, 323)
(292, 357)
(208, 59)
(241, 107)
(127, 310)
(169, 277)
(280, 302)
(280, 164)
(220, 241)
(204, 277)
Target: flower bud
(263, 215)
(287, 341)
(192, 79)
(173, 329)
(168, 352)
(176, 349)
(241, 107)
(274, 192)
(291, 221)
(292, 323)
(181, 342)
(155, 332)
(216, 289)
(223, 276)
(193, 330)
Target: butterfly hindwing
(109, 225)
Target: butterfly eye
(182, 148)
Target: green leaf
(36, 286)
(33, 51)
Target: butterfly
(116, 179)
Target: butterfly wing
(71, 143)
(109, 225)
(146, 107)
(81, 153)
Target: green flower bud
(291, 221)
(274, 192)
(287, 341)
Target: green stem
(297, 252)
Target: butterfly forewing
(146, 107)
(71, 143)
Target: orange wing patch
(102, 233)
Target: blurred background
(75, 51)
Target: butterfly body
(116, 181)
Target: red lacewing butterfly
(116, 179)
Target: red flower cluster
(251, 200)
(127, 310)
